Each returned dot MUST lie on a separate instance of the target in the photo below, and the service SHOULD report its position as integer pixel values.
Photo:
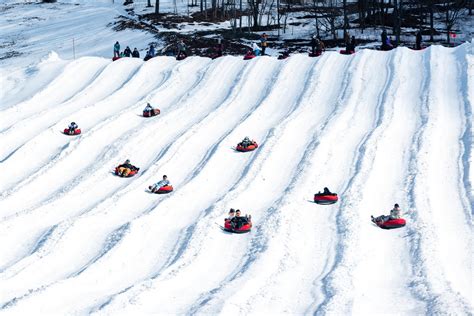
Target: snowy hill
(377, 127)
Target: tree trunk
(346, 20)
(431, 21)
(157, 7)
(448, 27)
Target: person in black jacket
(135, 53)
(350, 46)
(418, 40)
(238, 221)
(127, 52)
(384, 39)
(125, 168)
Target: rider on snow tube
(246, 145)
(150, 111)
(126, 169)
(326, 197)
(393, 220)
(72, 129)
(162, 186)
(237, 223)
(249, 55)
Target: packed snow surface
(376, 127)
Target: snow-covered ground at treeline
(376, 127)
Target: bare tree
(346, 20)
(255, 9)
(157, 7)
(452, 11)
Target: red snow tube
(325, 199)
(249, 56)
(244, 229)
(164, 189)
(391, 223)
(215, 56)
(155, 112)
(316, 54)
(131, 174)
(248, 148)
(77, 131)
(344, 52)
(414, 48)
(115, 58)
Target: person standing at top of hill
(136, 53)
(117, 49)
(127, 52)
(384, 38)
(182, 49)
(219, 47)
(263, 42)
(418, 40)
(351, 46)
(151, 51)
(319, 46)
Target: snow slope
(376, 127)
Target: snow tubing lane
(165, 189)
(391, 223)
(77, 131)
(325, 199)
(150, 114)
(244, 229)
(131, 174)
(248, 148)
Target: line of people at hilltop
(388, 43)
(180, 49)
(127, 52)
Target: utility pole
(73, 48)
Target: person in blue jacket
(151, 51)
(148, 108)
(159, 184)
(72, 127)
(116, 49)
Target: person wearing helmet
(72, 127)
(125, 168)
(159, 184)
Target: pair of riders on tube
(236, 220)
